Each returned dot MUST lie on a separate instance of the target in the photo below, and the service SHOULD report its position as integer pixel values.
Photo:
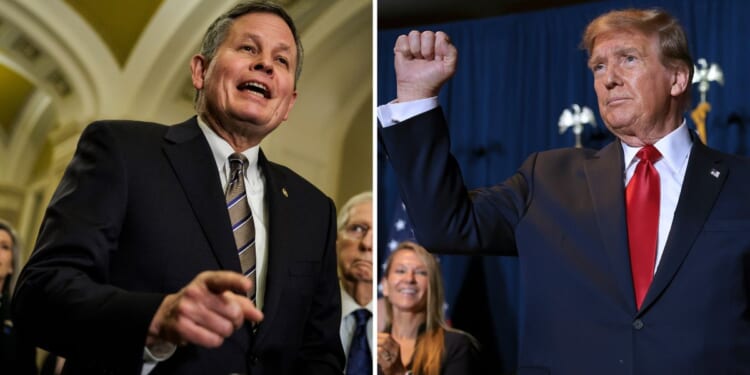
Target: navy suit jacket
(563, 215)
(138, 214)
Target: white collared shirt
(675, 150)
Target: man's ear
(291, 105)
(680, 79)
(198, 66)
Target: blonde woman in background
(417, 339)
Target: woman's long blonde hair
(430, 345)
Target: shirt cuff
(159, 352)
(392, 113)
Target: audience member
(417, 339)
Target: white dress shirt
(392, 113)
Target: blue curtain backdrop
(515, 75)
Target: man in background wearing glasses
(354, 251)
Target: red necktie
(642, 198)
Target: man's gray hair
(217, 32)
(344, 213)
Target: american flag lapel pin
(715, 172)
(283, 191)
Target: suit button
(638, 324)
(253, 359)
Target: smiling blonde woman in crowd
(417, 339)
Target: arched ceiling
(65, 63)
(14, 94)
(118, 23)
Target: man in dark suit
(136, 268)
(635, 259)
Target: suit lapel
(279, 249)
(193, 163)
(605, 182)
(704, 178)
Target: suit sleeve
(446, 216)
(321, 351)
(64, 298)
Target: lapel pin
(283, 191)
(715, 173)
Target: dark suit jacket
(563, 214)
(138, 214)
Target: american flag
(399, 230)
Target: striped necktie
(241, 218)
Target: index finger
(220, 281)
(249, 311)
(401, 48)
